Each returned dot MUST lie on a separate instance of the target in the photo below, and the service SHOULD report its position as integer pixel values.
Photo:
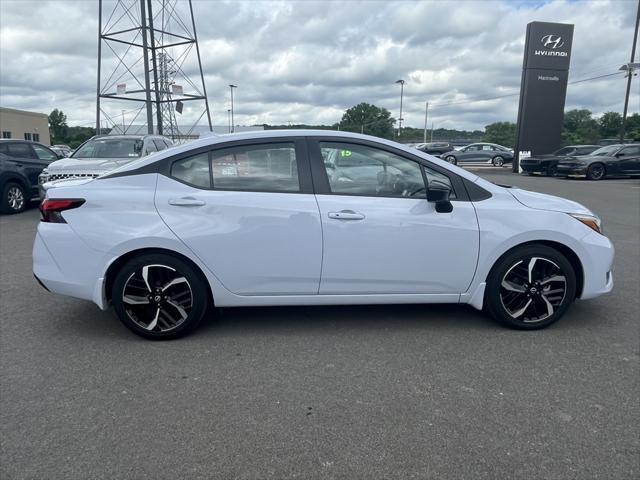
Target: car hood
(542, 201)
(88, 164)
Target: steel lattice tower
(145, 48)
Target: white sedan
(297, 217)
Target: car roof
(291, 133)
(582, 146)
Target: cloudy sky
(305, 62)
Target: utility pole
(229, 119)
(233, 125)
(630, 69)
(426, 113)
(431, 132)
(133, 36)
(401, 82)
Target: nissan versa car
(547, 164)
(101, 154)
(480, 152)
(312, 218)
(612, 160)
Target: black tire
(498, 161)
(504, 304)
(14, 198)
(451, 159)
(185, 310)
(551, 170)
(596, 171)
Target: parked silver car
(100, 155)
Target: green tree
(580, 127)
(610, 123)
(632, 127)
(58, 126)
(502, 133)
(368, 119)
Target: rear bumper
(64, 264)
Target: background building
(23, 125)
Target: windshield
(608, 150)
(564, 151)
(110, 148)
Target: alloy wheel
(498, 161)
(451, 159)
(157, 298)
(533, 289)
(596, 171)
(15, 198)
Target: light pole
(629, 68)
(233, 125)
(401, 82)
(426, 113)
(229, 119)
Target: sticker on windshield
(345, 153)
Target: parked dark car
(546, 164)
(435, 148)
(612, 160)
(21, 162)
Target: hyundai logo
(552, 41)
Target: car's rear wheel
(530, 287)
(14, 199)
(498, 161)
(596, 171)
(159, 296)
(451, 159)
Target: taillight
(52, 208)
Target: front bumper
(597, 263)
(571, 170)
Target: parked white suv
(100, 155)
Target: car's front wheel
(159, 296)
(530, 287)
(14, 199)
(596, 171)
(498, 161)
(451, 159)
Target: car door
(472, 153)
(247, 210)
(381, 235)
(25, 160)
(628, 160)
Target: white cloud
(306, 62)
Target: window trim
(302, 161)
(321, 179)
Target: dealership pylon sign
(545, 70)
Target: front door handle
(187, 202)
(346, 215)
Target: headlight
(593, 222)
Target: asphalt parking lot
(326, 392)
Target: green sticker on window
(345, 153)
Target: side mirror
(60, 156)
(439, 194)
(620, 154)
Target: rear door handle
(346, 215)
(187, 202)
